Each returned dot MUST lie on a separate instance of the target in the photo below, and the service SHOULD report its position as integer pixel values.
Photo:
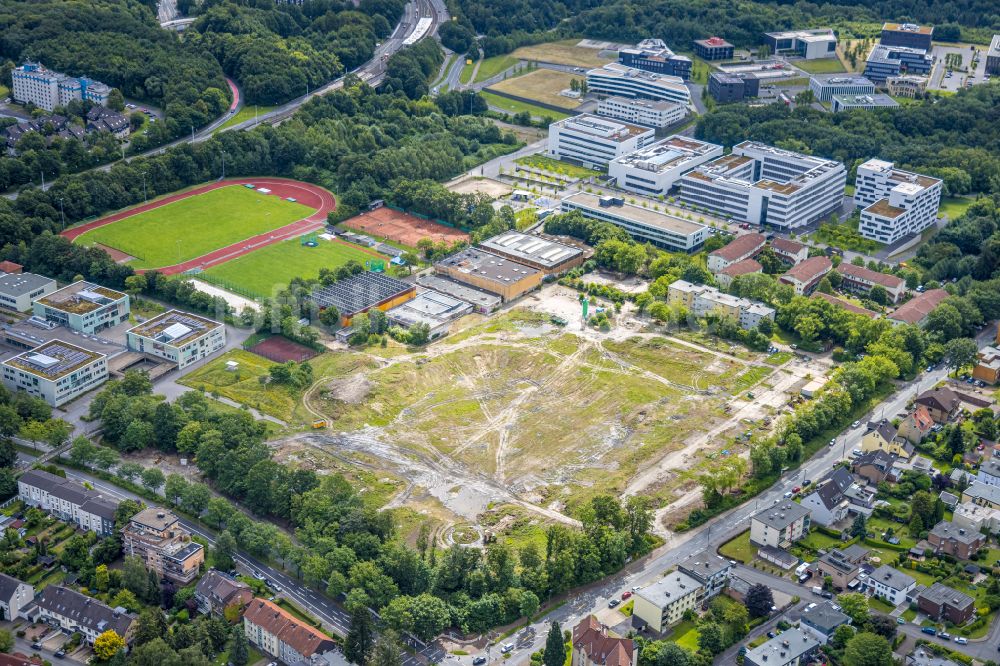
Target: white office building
(18, 290)
(55, 371)
(808, 44)
(894, 203)
(594, 141)
(656, 168)
(645, 112)
(35, 84)
(179, 337)
(619, 80)
(763, 185)
(825, 87)
(840, 103)
(84, 307)
(644, 224)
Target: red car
(796, 489)
(626, 595)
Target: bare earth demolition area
(515, 420)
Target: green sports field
(197, 225)
(261, 271)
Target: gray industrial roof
(359, 292)
(19, 284)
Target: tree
(867, 649)
(107, 645)
(225, 548)
(855, 606)
(879, 294)
(960, 352)
(149, 626)
(529, 606)
(6, 641)
(883, 625)
(360, 636)
(239, 651)
(387, 651)
(101, 578)
(152, 478)
(759, 600)
(860, 526)
(710, 638)
(555, 648)
(841, 635)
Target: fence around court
(229, 286)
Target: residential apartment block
(702, 301)
(644, 224)
(68, 500)
(645, 112)
(712, 572)
(663, 603)
(726, 276)
(825, 87)
(84, 307)
(779, 526)
(157, 536)
(890, 584)
(742, 247)
(805, 276)
(178, 337)
(35, 84)
(790, 648)
(894, 203)
(55, 371)
(808, 44)
(713, 48)
(622, 81)
(890, 61)
(915, 310)
(861, 280)
(655, 169)
(594, 141)
(976, 518)
(15, 597)
(653, 55)
(279, 634)
(72, 612)
(789, 251)
(763, 185)
(18, 290)
(987, 367)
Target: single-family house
(874, 466)
(821, 620)
(943, 603)
(789, 648)
(917, 425)
(982, 494)
(890, 584)
(956, 541)
(217, 591)
(827, 504)
(594, 646)
(883, 436)
(941, 403)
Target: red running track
(307, 194)
(236, 94)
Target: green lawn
(196, 225)
(739, 549)
(749, 378)
(513, 106)
(244, 114)
(685, 634)
(817, 540)
(877, 604)
(540, 161)
(466, 75)
(953, 207)
(823, 66)
(262, 271)
(492, 66)
(244, 385)
(779, 358)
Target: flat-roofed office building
(645, 112)
(809, 44)
(617, 79)
(655, 169)
(56, 371)
(179, 337)
(894, 202)
(84, 307)
(643, 224)
(546, 255)
(767, 186)
(594, 141)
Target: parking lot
(975, 74)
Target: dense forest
(279, 51)
(104, 39)
(678, 22)
(956, 139)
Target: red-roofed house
(10, 267)
(592, 646)
(745, 267)
(917, 425)
(281, 635)
(915, 310)
(805, 276)
(789, 251)
(860, 280)
(742, 247)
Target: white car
(509, 647)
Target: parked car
(478, 661)
(626, 594)
(806, 483)
(961, 640)
(930, 631)
(945, 636)
(856, 424)
(788, 494)
(796, 489)
(827, 595)
(59, 654)
(509, 647)
(900, 620)
(613, 603)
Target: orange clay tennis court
(402, 228)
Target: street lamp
(224, 163)
(144, 197)
(62, 213)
